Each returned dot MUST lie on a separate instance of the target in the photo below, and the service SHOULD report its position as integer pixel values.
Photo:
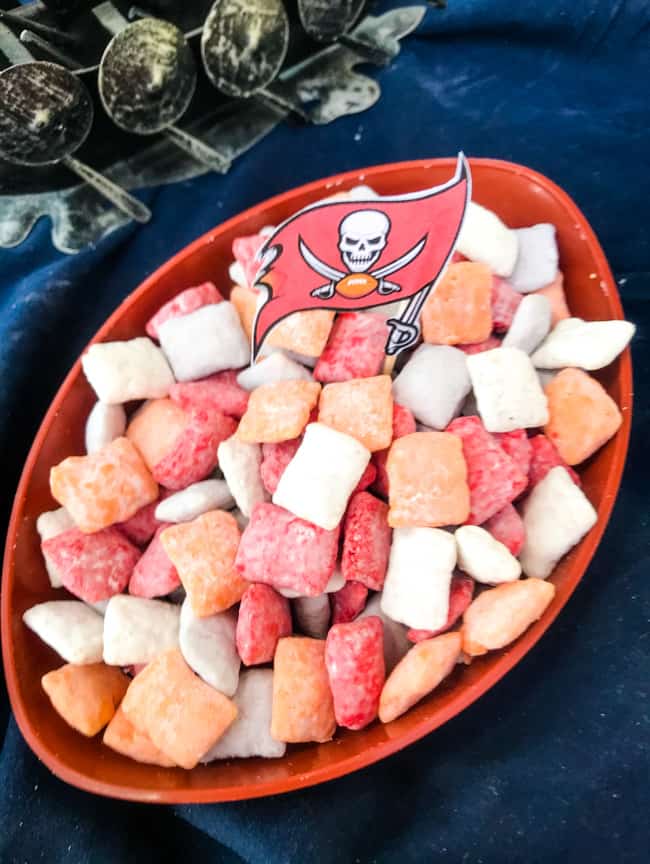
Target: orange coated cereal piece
(155, 428)
(361, 408)
(554, 293)
(427, 479)
(459, 311)
(245, 302)
(303, 709)
(106, 487)
(122, 736)
(582, 416)
(203, 552)
(182, 715)
(278, 412)
(86, 696)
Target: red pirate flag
(339, 255)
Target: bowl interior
(520, 197)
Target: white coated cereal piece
(208, 646)
(361, 192)
(121, 371)
(207, 340)
(240, 463)
(275, 367)
(433, 384)
(557, 514)
(420, 567)
(71, 627)
(485, 238)
(336, 582)
(507, 389)
(237, 275)
(587, 345)
(319, 480)
(194, 500)
(537, 259)
(250, 734)
(312, 615)
(396, 642)
(51, 524)
(484, 558)
(105, 423)
(530, 324)
(137, 630)
(99, 606)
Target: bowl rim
(466, 695)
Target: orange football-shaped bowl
(520, 197)
(356, 285)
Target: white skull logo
(362, 238)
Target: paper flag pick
(351, 255)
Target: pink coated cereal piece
(141, 527)
(275, 458)
(93, 566)
(154, 575)
(505, 301)
(554, 293)
(284, 551)
(461, 592)
(367, 478)
(182, 304)
(366, 541)
(218, 392)
(544, 456)
(486, 345)
(264, 617)
(517, 445)
(494, 478)
(457, 257)
(355, 348)
(348, 602)
(354, 656)
(194, 454)
(507, 527)
(403, 424)
(245, 249)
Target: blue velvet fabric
(552, 764)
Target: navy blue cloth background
(552, 764)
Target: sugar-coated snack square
(194, 500)
(154, 575)
(485, 559)
(517, 445)
(416, 591)
(141, 527)
(106, 487)
(250, 734)
(461, 591)
(187, 301)
(218, 392)
(208, 647)
(271, 369)
(275, 458)
(427, 481)
(137, 629)
(278, 412)
(302, 700)
(403, 424)
(425, 666)
(240, 464)
(319, 480)
(181, 714)
(396, 643)
(121, 371)
(537, 258)
(194, 454)
(354, 656)
(582, 416)
(348, 602)
(355, 348)
(485, 238)
(360, 407)
(507, 527)
(557, 515)
(303, 332)
(312, 615)
(48, 525)
(92, 566)
(85, 696)
(264, 617)
(122, 736)
(554, 293)
(366, 541)
(105, 423)
(587, 345)
(530, 325)
(205, 341)
(543, 457)
(494, 477)
(507, 390)
(284, 551)
(155, 428)
(499, 615)
(203, 551)
(505, 302)
(70, 627)
(459, 310)
(433, 384)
